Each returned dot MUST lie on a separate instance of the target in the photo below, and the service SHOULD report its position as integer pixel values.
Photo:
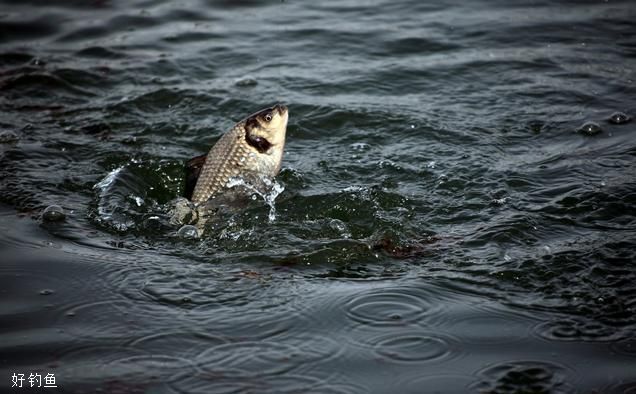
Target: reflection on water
(455, 211)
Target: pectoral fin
(193, 169)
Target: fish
(251, 151)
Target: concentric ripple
(85, 363)
(488, 326)
(413, 346)
(577, 329)
(151, 367)
(240, 359)
(289, 383)
(184, 343)
(111, 319)
(390, 307)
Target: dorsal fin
(193, 169)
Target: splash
(268, 193)
(104, 207)
(120, 204)
(108, 180)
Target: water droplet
(38, 62)
(53, 213)
(619, 118)
(590, 128)
(188, 232)
(340, 227)
(337, 225)
(500, 201)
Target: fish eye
(268, 117)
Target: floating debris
(400, 250)
(53, 213)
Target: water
(447, 222)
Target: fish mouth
(283, 112)
(281, 109)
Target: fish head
(265, 130)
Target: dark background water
(444, 227)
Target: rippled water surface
(449, 222)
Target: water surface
(444, 226)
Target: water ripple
(489, 327)
(620, 388)
(426, 142)
(256, 359)
(571, 329)
(184, 343)
(382, 307)
(95, 319)
(288, 383)
(414, 346)
(524, 376)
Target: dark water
(444, 226)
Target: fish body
(251, 151)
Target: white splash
(103, 210)
(270, 197)
(138, 200)
(108, 179)
(104, 186)
(274, 189)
